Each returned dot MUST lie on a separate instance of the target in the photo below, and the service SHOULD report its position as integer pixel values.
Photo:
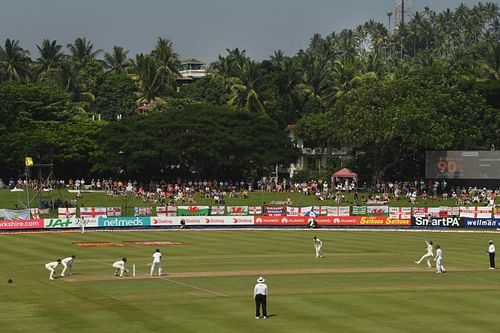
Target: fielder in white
(428, 255)
(67, 265)
(439, 260)
(318, 244)
(119, 267)
(51, 266)
(156, 262)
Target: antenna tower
(404, 9)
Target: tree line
(432, 83)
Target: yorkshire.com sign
(121, 221)
(438, 222)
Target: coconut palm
(82, 51)
(50, 57)
(244, 89)
(117, 60)
(150, 82)
(167, 60)
(14, 61)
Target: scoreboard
(456, 164)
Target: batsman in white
(156, 262)
(67, 265)
(318, 244)
(119, 267)
(428, 255)
(51, 266)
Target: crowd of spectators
(183, 192)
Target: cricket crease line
(193, 286)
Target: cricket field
(367, 282)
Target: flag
(338, 210)
(400, 213)
(35, 213)
(217, 210)
(496, 212)
(274, 210)
(193, 210)
(359, 210)
(476, 212)
(254, 210)
(166, 211)
(319, 210)
(66, 213)
(15, 214)
(114, 211)
(93, 212)
(142, 211)
(298, 211)
(377, 210)
(237, 210)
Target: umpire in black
(260, 295)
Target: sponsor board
(447, 222)
(201, 220)
(61, 223)
(137, 221)
(383, 220)
(21, 224)
(481, 223)
(331, 220)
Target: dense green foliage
(386, 94)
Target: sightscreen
(462, 164)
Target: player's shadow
(272, 315)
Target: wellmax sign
(138, 221)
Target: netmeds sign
(123, 221)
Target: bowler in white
(428, 255)
(119, 267)
(318, 244)
(51, 266)
(156, 262)
(67, 264)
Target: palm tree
(244, 89)
(117, 60)
(82, 51)
(150, 82)
(14, 61)
(50, 56)
(167, 60)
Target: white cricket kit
(260, 289)
(156, 263)
(67, 265)
(439, 261)
(428, 255)
(120, 267)
(317, 246)
(491, 248)
(51, 266)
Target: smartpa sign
(438, 222)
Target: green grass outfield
(367, 282)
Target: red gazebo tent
(344, 173)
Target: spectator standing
(491, 254)
(260, 292)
